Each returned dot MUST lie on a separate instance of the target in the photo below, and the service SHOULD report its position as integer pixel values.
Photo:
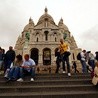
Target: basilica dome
(45, 17)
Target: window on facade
(55, 39)
(37, 33)
(55, 33)
(46, 35)
(73, 56)
(37, 39)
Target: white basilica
(40, 40)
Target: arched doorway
(46, 56)
(35, 55)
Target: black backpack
(79, 56)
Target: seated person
(13, 73)
(28, 66)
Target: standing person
(75, 67)
(83, 61)
(9, 58)
(28, 67)
(91, 60)
(58, 59)
(65, 56)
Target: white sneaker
(32, 79)
(5, 76)
(63, 71)
(69, 74)
(20, 80)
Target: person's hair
(88, 51)
(26, 55)
(19, 57)
(10, 48)
(61, 39)
(3, 50)
(84, 50)
(56, 49)
(96, 52)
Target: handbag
(95, 80)
(67, 53)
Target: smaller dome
(29, 25)
(26, 27)
(62, 25)
(31, 21)
(65, 27)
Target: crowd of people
(15, 67)
(88, 61)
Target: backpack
(79, 56)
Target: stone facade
(40, 40)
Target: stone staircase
(50, 86)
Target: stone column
(52, 55)
(40, 57)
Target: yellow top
(63, 47)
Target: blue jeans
(84, 66)
(24, 71)
(14, 72)
(7, 65)
(92, 64)
(65, 58)
(58, 65)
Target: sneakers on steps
(63, 71)
(20, 80)
(32, 79)
(69, 74)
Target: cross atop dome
(31, 21)
(61, 20)
(46, 10)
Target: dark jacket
(58, 55)
(10, 55)
(1, 56)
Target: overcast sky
(81, 17)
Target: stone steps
(60, 94)
(47, 82)
(50, 86)
(51, 79)
(54, 78)
(45, 89)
